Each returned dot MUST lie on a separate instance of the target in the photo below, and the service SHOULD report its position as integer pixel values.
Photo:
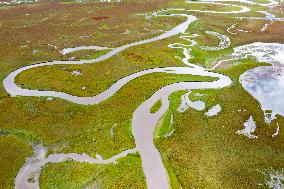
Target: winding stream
(270, 4)
(143, 122)
(28, 176)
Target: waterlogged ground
(141, 94)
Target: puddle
(187, 103)
(76, 72)
(250, 127)
(275, 179)
(213, 111)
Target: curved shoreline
(265, 83)
(154, 170)
(32, 168)
(13, 89)
(151, 159)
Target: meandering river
(143, 122)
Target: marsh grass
(126, 173)
(202, 152)
(13, 155)
(156, 106)
(207, 152)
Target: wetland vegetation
(196, 151)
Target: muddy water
(144, 124)
(12, 88)
(143, 121)
(28, 176)
(32, 168)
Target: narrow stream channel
(143, 122)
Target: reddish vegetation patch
(100, 17)
(138, 58)
(277, 27)
(134, 57)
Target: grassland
(90, 120)
(202, 152)
(206, 152)
(99, 76)
(37, 32)
(13, 154)
(126, 173)
(156, 106)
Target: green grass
(21, 134)
(67, 127)
(126, 173)
(85, 54)
(156, 106)
(201, 153)
(77, 126)
(13, 155)
(66, 28)
(99, 76)
(207, 152)
(163, 126)
(173, 180)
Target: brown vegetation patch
(134, 57)
(137, 57)
(100, 17)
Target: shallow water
(250, 127)
(265, 83)
(32, 168)
(153, 176)
(143, 121)
(213, 111)
(187, 103)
